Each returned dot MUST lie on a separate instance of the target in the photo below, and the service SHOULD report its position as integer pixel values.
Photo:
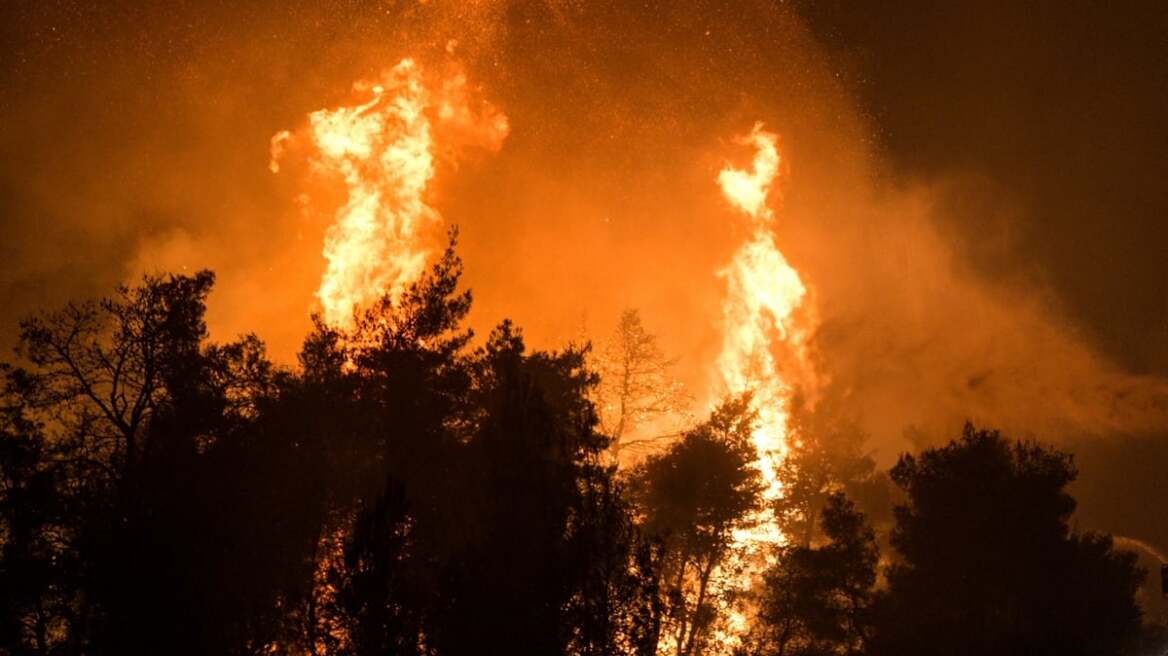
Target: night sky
(1058, 106)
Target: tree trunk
(703, 586)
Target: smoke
(918, 337)
(132, 150)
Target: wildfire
(761, 317)
(384, 150)
(759, 313)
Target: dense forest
(403, 490)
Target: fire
(748, 190)
(760, 311)
(384, 150)
(761, 317)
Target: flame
(762, 316)
(760, 311)
(748, 190)
(384, 150)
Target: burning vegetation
(383, 150)
(403, 491)
(409, 487)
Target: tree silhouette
(37, 566)
(403, 491)
(817, 601)
(691, 498)
(989, 564)
(491, 523)
(104, 367)
(383, 406)
(374, 602)
(533, 444)
(159, 479)
(825, 457)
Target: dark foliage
(825, 457)
(691, 499)
(818, 601)
(402, 492)
(989, 564)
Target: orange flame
(762, 296)
(384, 151)
(761, 317)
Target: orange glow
(748, 190)
(761, 319)
(384, 151)
(763, 293)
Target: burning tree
(483, 516)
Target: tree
(637, 389)
(614, 598)
(148, 449)
(375, 601)
(104, 367)
(36, 564)
(988, 563)
(692, 498)
(825, 457)
(817, 601)
(538, 478)
(386, 405)
(479, 516)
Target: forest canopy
(407, 490)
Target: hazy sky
(1057, 106)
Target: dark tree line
(404, 492)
